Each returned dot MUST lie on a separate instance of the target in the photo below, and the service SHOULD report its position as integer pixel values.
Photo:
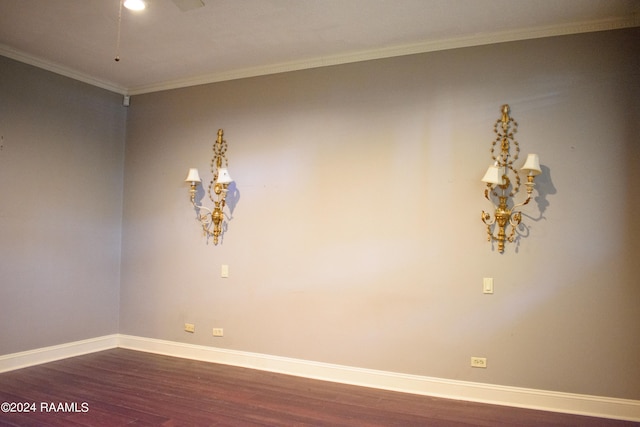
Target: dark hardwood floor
(122, 387)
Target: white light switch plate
(487, 285)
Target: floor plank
(128, 388)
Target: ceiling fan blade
(186, 5)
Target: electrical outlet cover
(479, 362)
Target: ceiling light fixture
(136, 5)
(133, 5)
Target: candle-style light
(212, 220)
(503, 181)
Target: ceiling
(177, 43)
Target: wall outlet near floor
(479, 362)
(189, 327)
(218, 332)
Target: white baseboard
(579, 404)
(23, 359)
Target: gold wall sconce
(503, 181)
(212, 220)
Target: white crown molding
(410, 49)
(579, 404)
(59, 69)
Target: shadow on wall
(544, 187)
(231, 201)
(233, 197)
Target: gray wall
(61, 172)
(356, 236)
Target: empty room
(354, 212)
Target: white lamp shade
(193, 175)
(494, 175)
(223, 176)
(532, 165)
